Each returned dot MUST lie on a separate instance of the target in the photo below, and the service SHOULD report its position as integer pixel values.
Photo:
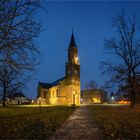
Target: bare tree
(10, 82)
(18, 31)
(86, 86)
(92, 84)
(126, 49)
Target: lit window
(53, 93)
(57, 93)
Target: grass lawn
(31, 122)
(117, 122)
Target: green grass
(31, 122)
(117, 122)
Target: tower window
(76, 60)
(75, 71)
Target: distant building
(17, 98)
(94, 96)
(65, 90)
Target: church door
(73, 98)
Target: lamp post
(112, 97)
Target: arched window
(57, 93)
(53, 94)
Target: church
(66, 90)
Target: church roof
(45, 85)
(72, 41)
(49, 85)
(57, 81)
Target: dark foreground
(86, 123)
(117, 122)
(31, 122)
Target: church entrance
(73, 98)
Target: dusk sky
(92, 23)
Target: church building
(66, 90)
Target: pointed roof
(72, 41)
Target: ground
(18, 122)
(58, 122)
(116, 121)
(94, 122)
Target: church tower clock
(73, 65)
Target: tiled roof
(45, 85)
(49, 85)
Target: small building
(18, 98)
(94, 96)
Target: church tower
(73, 65)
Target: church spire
(72, 41)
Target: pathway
(78, 126)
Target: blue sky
(92, 23)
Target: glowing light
(76, 58)
(96, 100)
(123, 102)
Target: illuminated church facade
(66, 90)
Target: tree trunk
(132, 104)
(132, 99)
(4, 95)
(133, 91)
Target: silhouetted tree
(126, 48)
(10, 82)
(18, 30)
(92, 84)
(86, 86)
